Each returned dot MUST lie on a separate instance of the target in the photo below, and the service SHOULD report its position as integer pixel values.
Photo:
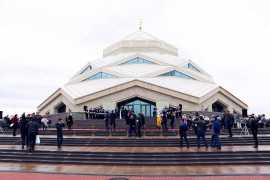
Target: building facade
(141, 72)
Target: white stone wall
(224, 100)
(110, 101)
(51, 106)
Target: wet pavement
(137, 170)
(141, 149)
(100, 170)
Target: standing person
(172, 114)
(142, 120)
(59, 129)
(69, 121)
(14, 124)
(228, 122)
(254, 129)
(32, 132)
(154, 114)
(139, 125)
(216, 127)
(183, 128)
(85, 108)
(23, 123)
(164, 120)
(237, 119)
(158, 123)
(44, 122)
(201, 130)
(132, 124)
(195, 122)
(107, 118)
(112, 120)
(180, 110)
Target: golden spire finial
(140, 25)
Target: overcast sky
(44, 42)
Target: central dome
(140, 41)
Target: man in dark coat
(107, 118)
(195, 122)
(23, 123)
(254, 129)
(164, 120)
(228, 122)
(142, 119)
(32, 132)
(216, 127)
(132, 124)
(113, 119)
(59, 130)
(69, 121)
(183, 128)
(201, 130)
(139, 124)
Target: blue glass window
(138, 60)
(101, 75)
(177, 74)
(192, 67)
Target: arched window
(100, 75)
(138, 60)
(177, 74)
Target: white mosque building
(141, 72)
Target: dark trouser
(23, 138)
(164, 125)
(172, 123)
(86, 115)
(139, 132)
(195, 130)
(59, 140)
(31, 141)
(14, 129)
(230, 131)
(201, 137)
(113, 125)
(255, 136)
(215, 141)
(131, 129)
(107, 124)
(69, 125)
(183, 136)
(44, 127)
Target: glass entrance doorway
(138, 105)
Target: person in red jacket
(14, 124)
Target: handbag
(37, 139)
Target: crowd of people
(30, 125)
(166, 119)
(200, 124)
(94, 113)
